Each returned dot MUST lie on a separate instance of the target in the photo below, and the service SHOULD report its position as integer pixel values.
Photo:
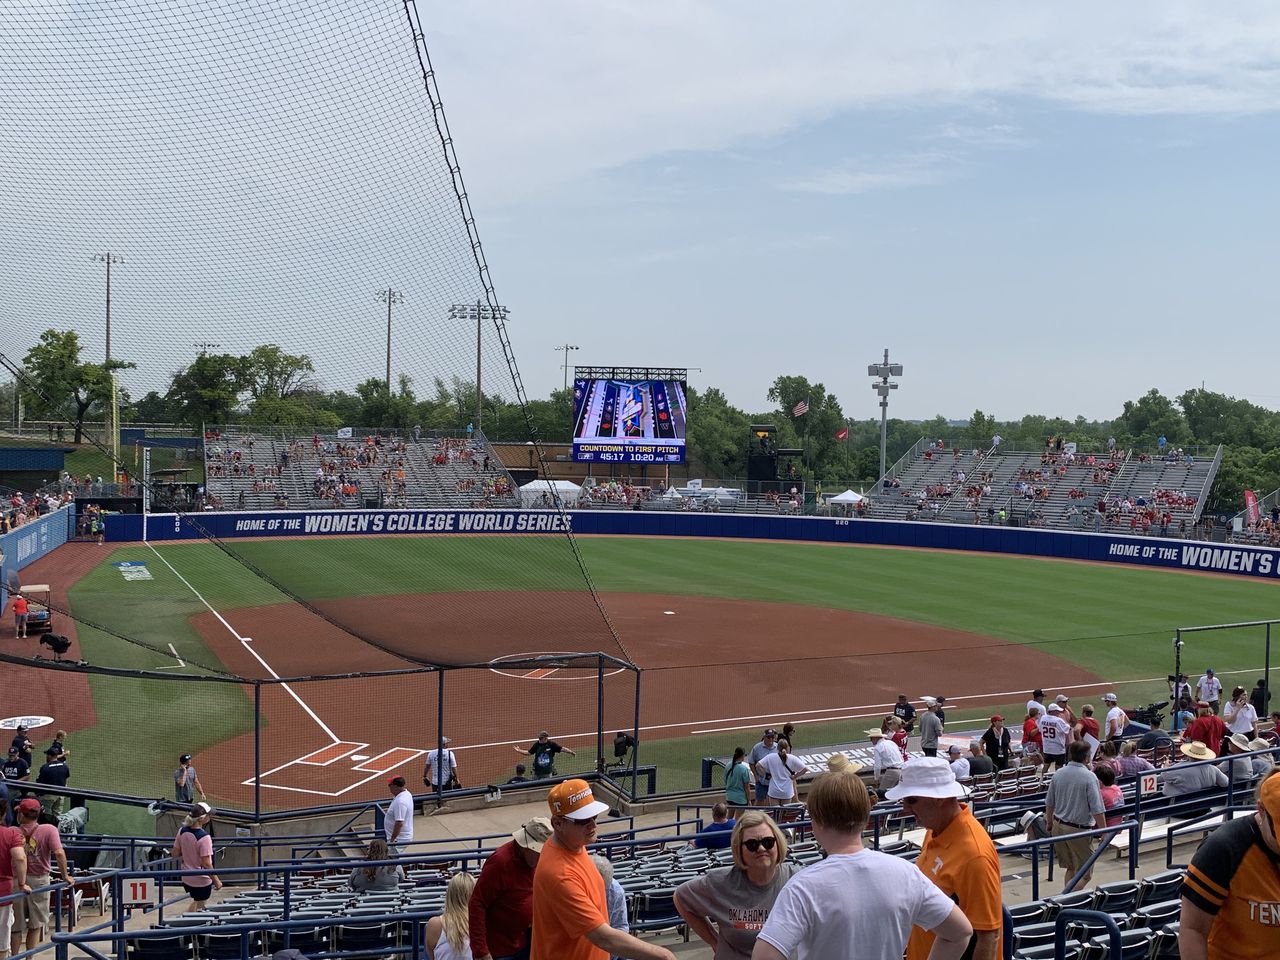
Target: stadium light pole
(110, 258)
(390, 298)
(478, 311)
(566, 349)
(883, 371)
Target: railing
(1203, 497)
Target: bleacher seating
(251, 471)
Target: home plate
(669, 613)
(357, 757)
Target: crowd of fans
(19, 508)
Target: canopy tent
(567, 491)
(671, 494)
(847, 497)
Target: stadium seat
(1045, 951)
(1134, 945)
(366, 939)
(1119, 897)
(161, 948)
(1026, 914)
(1160, 887)
(655, 910)
(1076, 900)
(1032, 935)
(309, 941)
(226, 946)
(1156, 915)
(1164, 945)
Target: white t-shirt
(1054, 734)
(1037, 704)
(1243, 719)
(441, 764)
(857, 905)
(1116, 717)
(960, 767)
(781, 786)
(1210, 688)
(400, 808)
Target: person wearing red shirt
(501, 905)
(1031, 741)
(13, 872)
(20, 612)
(1207, 728)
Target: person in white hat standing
(1055, 737)
(1117, 719)
(957, 855)
(441, 769)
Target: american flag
(800, 409)
(842, 433)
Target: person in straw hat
(886, 761)
(957, 855)
(1181, 779)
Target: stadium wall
(1233, 560)
(30, 542)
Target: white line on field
(244, 642)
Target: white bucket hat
(927, 777)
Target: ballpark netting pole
(884, 371)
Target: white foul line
(244, 642)
(173, 649)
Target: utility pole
(566, 349)
(390, 298)
(479, 311)
(113, 407)
(884, 371)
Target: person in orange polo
(570, 913)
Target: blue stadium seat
(366, 939)
(1156, 915)
(655, 910)
(1121, 897)
(1134, 945)
(1161, 886)
(1025, 914)
(161, 948)
(1164, 945)
(226, 946)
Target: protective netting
(251, 216)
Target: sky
(1035, 208)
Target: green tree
(270, 373)
(60, 386)
(717, 435)
(1151, 416)
(208, 391)
(982, 427)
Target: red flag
(1251, 504)
(842, 433)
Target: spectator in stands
(726, 906)
(1031, 740)
(447, 935)
(193, 849)
(1055, 737)
(385, 877)
(1036, 701)
(544, 751)
(1209, 689)
(886, 761)
(1182, 778)
(856, 902)
(960, 857)
(1117, 720)
(1129, 764)
(1239, 768)
(1239, 714)
(501, 907)
(737, 782)
(782, 770)
(997, 743)
(1206, 728)
(958, 762)
(1232, 885)
(1260, 697)
(715, 836)
(768, 744)
(43, 846)
(1112, 795)
(570, 911)
(441, 769)
(1155, 738)
(519, 777)
(186, 781)
(13, 874)
(1273, 735)
(615, 897)
(1074, 803)
(980, 765)
(1064, 701)
(896, 732)
(1262, 763)
(930, 728)
(398, 822)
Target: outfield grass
(1116, 621)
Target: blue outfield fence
(31, 541)
(1237, 560)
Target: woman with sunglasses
(727, 905)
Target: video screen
(629, 421)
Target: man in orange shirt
(570, 913)
(20, 611)
(957, 855)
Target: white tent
(568, 492)
(671, 494)
(847, 497)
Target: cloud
(585, 86)
(864, 177)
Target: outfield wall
(30, 542)
(1236, 560)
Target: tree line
(269, 388)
